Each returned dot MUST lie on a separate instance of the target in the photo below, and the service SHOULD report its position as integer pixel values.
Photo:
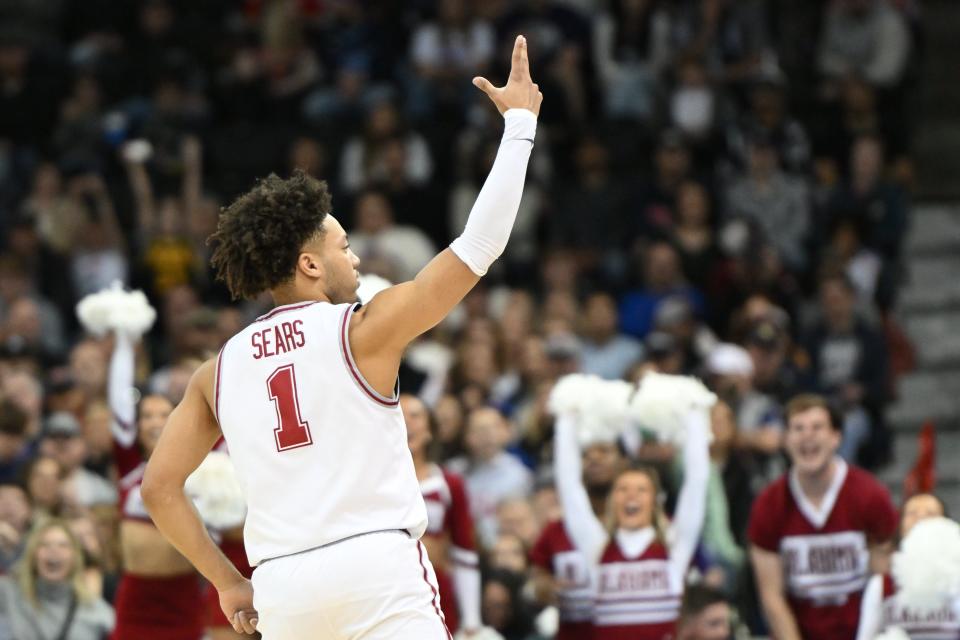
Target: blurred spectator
(62, 440)
(47, 597)
(656, 198)
(595, 190)
(15, 520)
(777, 203)
(869, 201)
(365, 160)
(448, 51)
(849, 363)
(15, 447)
(631, 48)
(491, 474)
(868, 38)
(768, 116)
(704, 615)
(760, 425)
(662, 278)
(604, 351)
(503, 607)
(693, 105)
(509, 554)
(402, 250)
(692, 235)
(43, 478)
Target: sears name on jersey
(277, 339)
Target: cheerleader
(639, 559)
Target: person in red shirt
(816, 531)
(882, 608)
(449, 536)
(561, 572)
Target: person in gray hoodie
(45, 598)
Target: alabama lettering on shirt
(942, 623)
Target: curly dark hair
(260, 235)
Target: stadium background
(764, 173)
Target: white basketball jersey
(320, 454)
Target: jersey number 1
(292, 431)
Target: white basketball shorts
(377, 586)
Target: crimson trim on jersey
(286, 307)
(355, 371)
(216, 386)
(432, 590)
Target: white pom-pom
(371, 285)
(547, 622)
(483, 633)
(926, 569)
(599, 405)
(662, 402)
(216, 492)
(893, 633)
(114, 309)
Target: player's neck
(291, 294)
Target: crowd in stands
(718, 188)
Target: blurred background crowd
(718, 188)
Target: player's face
(418, 423)
(713, 623)
(811, 441)
(340, 264)
(919, 507)
(154, 411)
(600, 463)
(633, 498)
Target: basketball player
(816, 532)
(306, 400)
(560, 570)
(882, 608)
(449, 539)
(159, 595)
(639, 561)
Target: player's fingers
(538, 102)
(235, 623)
(247, 623)
(484, 85)
(518, 61)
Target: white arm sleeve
(692, 502)
(871, 609)
(585, 530)
(123, 410)
(466, 582)
(491, 219)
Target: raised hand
(520, 92)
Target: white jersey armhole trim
(354, 370)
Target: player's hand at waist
(520, 92)
(237, 604)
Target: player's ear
(310, 265)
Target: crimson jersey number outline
(292, 430)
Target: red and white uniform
(638, 580)
(448, 518)
(334, 510)
(825, 551)
(882, 609)
(554, 552)
(147, 607)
